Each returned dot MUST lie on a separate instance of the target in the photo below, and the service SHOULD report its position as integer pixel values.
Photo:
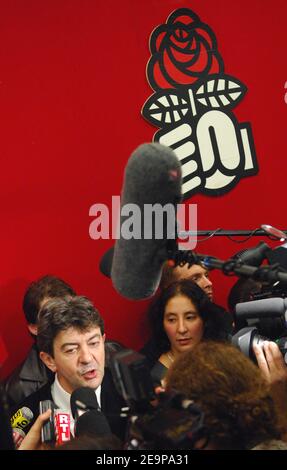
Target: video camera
(260, 320)
(156, 422)
(245, 338)
(267, 291)
(264, 317)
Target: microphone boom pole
(264, 273)
(226, 233)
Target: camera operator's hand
(33, 439)
(271, 363)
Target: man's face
(197, 274)
(79, 358)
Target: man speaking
(71, 343)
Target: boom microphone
(151, 191)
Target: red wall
(72, 84)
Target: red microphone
(18, 436)
(62, 426)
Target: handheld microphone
(87, 414)
(94, 423)
(151, 191)
(56, 430)
(18, 436)
(83, 399)
(48, 433)
(22, 418)
(62, 426)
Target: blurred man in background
(32, 373)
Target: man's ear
(104, 337)
(48, 361)
(33, 328)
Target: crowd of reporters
(231, 402)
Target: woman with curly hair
(238, 410)
(181, 317)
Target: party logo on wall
(192, 105)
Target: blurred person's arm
(272, 364)
(33, 439)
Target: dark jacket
(111, 404)
(31, 375)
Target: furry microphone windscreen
(150, 194)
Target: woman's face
(182, 324)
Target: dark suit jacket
(26, 379)
(111, 404)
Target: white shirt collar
(62, 398)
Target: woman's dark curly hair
(230, 389)
(217, 322)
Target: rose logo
(183, 50)
(193, 106)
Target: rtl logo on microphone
(62, 426)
